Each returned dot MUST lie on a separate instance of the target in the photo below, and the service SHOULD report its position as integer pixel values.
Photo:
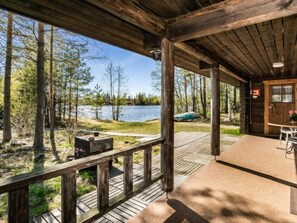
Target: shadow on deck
(192, 151)
(251, 182)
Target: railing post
(167, 112)
(103, 185)
(128, 173)
(18, 205)
(148, 164)
(69, 197)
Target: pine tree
(7, 83)
(40, 102)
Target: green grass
(3, 205)
(154, 127)
(44, 196)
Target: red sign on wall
(256, 92)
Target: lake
(131, 113)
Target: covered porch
(241, 186)
(237, 42)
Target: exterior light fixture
(156, 53)
(278, 64)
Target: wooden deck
(192, 151)
(252, 181)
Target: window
(282, 93)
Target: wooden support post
(215, 110)
(18, 205)
(103, 186)
(167, 112)
(128, 173)
(293, 200)
(68, 205)
(148, 164)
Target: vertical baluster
(103, 186)
(148, 164)
(18, 205)
(128, 173)
(69, 197)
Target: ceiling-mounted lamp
(278, 64)
(156, 53)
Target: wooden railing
(17, 187)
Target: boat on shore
(188, 116)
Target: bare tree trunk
(64, 97)
(38, 137)
(234, 96)
(193, 92)
(229, 104)
(51, 93)
(60, 107)
(226, 99)
(76, 102)
(186, 93)
(119, 96)
(7, 81)
(203, 96)
(69, 100)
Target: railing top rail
(22, 180)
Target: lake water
(131, 113)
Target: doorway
(280, 98)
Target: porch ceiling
(244, 53)
(251, 50)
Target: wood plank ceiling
(253, 49)
(248, 52)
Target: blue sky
(136, 67)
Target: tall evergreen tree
(51, 92)
(7, 83)
(40, 93)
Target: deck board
(186, 144)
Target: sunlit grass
(154, 127)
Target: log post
(215, 110)
(148, 164)
(167, 112)
(103, 186)
(69, 197)
(18, 205)
(128, 173)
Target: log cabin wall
(244, 108)
(257, 110)
(251, 109)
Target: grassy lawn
(153, 127)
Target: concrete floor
(251, 182)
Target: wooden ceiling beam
(199, 56)
(132, 14)
(227, 15)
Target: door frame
(267, 85)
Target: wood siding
(257, 110)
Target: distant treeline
(138, 99)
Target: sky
(136, 67)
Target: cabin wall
(252, 109)
(257, 110)
(244, 108)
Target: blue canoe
(188, 116)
